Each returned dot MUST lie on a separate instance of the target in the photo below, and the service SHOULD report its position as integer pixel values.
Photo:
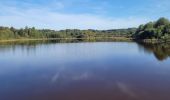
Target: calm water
(84, 71)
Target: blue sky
(81, 14)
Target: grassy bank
(42, 39)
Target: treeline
(13, 33)
(159, 29)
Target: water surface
(84, 71)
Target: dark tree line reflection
(161, 51)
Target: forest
(159, 29)
(13, 33)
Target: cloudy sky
(81, 14)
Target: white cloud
(45, 18)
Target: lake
(84, 71)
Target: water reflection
(160, 51)
(55, 70)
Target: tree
(162, 21)
(167, 29)
(148, 26)
(156, 29)
(6, 33)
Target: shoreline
(46, 39)
(121, 39)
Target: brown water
(85, 71)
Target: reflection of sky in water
(74, 51)
(94, 71)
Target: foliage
(13, 33)
(154, 30)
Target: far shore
(121, 39)
(40, 39)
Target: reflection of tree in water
(161, 51)
(31, 45)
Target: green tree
(6, 33)
(162, 21)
